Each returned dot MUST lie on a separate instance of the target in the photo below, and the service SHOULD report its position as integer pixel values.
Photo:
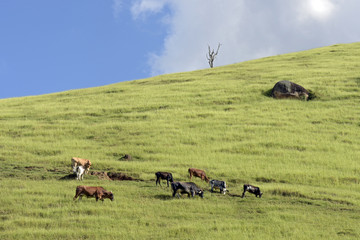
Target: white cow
(79, 170)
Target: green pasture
(303, 155)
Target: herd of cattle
(81, 166)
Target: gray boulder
(287, 89)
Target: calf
(81, 162)
(97, 192)
(198, 173)
(219, 185)
(164, 175)
(79, 170)
(252, 189)
(189, 188)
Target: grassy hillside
(303, 155)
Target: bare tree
(211, 55)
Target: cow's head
(201, 193)
(88, 164)
(109, 195)
(170, 177)
(207, 179)
(260, 194)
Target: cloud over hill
(246, 29)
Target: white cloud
(143, 7)
(117, 6)
(246, 29)
(319, 10)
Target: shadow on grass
(163, 197)
(234, 195)
(68, 177)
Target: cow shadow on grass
(71, 176)
(234, 195)
(163, 197)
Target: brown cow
(198, 173)
(97, 192)
(80, 162)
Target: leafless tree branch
(212, 54)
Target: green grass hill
(304, 155)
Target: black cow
(252, 189)
(189, 188)
(218, 184)
(164, 175)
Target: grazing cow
(97, 192)
(164, 175)
(189, 188)
(79, 170)
(198, 173)
(218, 184)
(81, 162)
(251, 189)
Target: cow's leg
(188, 193)
(245, 189)
(167, 181)
(76, 195)
(174, 193)
(157, 180)
(192, 192)
(98, 196)
(243, 195)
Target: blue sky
(50, 46)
